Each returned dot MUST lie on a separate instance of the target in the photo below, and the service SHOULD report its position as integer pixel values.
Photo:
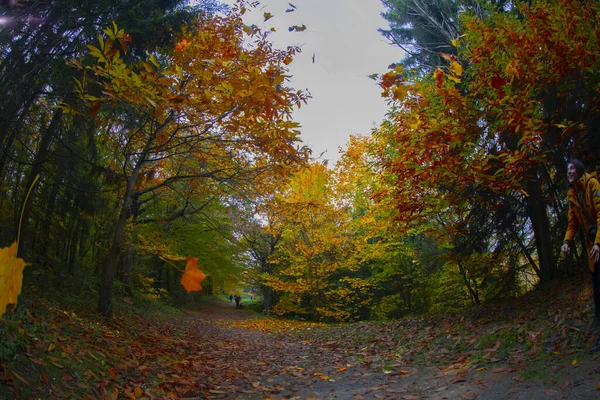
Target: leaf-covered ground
(533, 348)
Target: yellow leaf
(51, 347)
(138, 392)
(574, 362)
(267, 16)
(456, 68)
(192, 277)
(455, 42)
(561, 126)
(324, 377)
(11, 276)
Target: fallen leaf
(411, 397)
(469, 396)
(518, 378)
(566, 385)
(19, 377)
(138, 392)
(44, 378)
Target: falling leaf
(296, 28)
(192, 277)
(11, 276)
(267, 16)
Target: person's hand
(565, 248)
(595, 253)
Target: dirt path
(218, 352)
(241, 363)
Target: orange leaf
(138, 392)
(11, 276)
(192, 277)
(44, 378)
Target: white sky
(342, 35)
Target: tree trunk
(472, 291)
(536, 209)
(40, 158)
(110, 269)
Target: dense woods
(161, 130)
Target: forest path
(214, 351)
(240, 360)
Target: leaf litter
(217, 352)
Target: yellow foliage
(11, 276)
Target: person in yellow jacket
(584, 212)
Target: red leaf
(94, 109)
(498, 82)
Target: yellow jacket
(584, 209)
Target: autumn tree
(214, 113)
(313, 258)
(493, 137)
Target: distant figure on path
(584, 212)
(237, 301)
(230, 298)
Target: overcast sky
(342, 35)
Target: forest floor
(535, 347)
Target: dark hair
(578, 166)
